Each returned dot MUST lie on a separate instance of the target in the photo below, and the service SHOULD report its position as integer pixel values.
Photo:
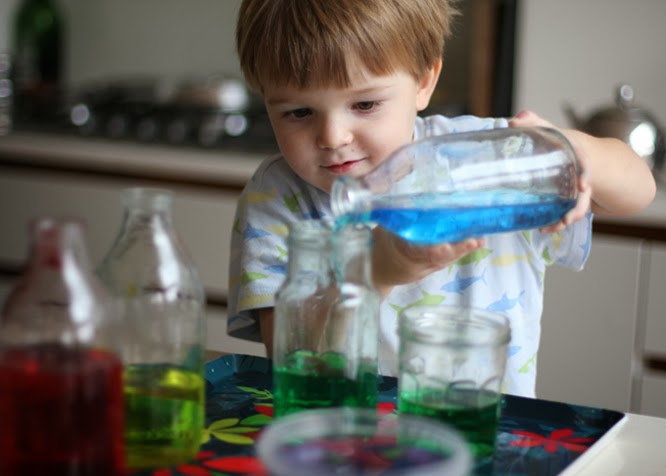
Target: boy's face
(324, 133)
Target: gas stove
(121, 112)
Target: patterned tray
(535, 436)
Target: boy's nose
(333, 134)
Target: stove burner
(132, 114)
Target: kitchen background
(604, 330)
(573, 51)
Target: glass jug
(161, 299)
(452, 187)
(326, 321)
(61, 400)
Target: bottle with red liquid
(61, 399)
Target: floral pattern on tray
(535, 436)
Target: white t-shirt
(506, 276)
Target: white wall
(6, 11)
(167, 38)
(577, 51)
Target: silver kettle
(627, 122)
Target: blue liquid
(440, 218)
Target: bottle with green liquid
(161, 299)
(326, 321)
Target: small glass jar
(452, 364)
(456, 186)
(326, 321)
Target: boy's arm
(621, 182)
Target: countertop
(214, 167)
(97, 155)
(636, 447)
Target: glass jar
(61, 400)
(325, 340)
(161, 299)
(452, 187)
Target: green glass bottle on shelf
(37, 65)
(161, 299)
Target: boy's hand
(396, 261)
(530, 119)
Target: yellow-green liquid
(164, 411)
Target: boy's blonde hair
(310, 42)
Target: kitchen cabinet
(652, 399)
(588, 327)
(650, 379)
(203, 217)
(604, 329)
(655, 320)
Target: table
(535, 437)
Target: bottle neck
(58, 246)
(352, 246)
(350, 198)
(148, 201)
(309, 244)
(343, 254)
(146, 208)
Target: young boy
(343, 81)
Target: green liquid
(308, 381)
(164, 407)
(474, 413)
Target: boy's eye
(366, 105)
(299, 113)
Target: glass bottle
(61, 400)
(6, 93)
(451, 187)
(38, 49)
(161, 300)
(326, 321)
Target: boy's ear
(427, 85)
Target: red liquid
(61, 412)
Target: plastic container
(349, 441)
(452, 187)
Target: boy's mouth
(343, 168)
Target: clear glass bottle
(38, 59)
(61, 400)
(452, 187)
(325, 340)
(161, 300)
